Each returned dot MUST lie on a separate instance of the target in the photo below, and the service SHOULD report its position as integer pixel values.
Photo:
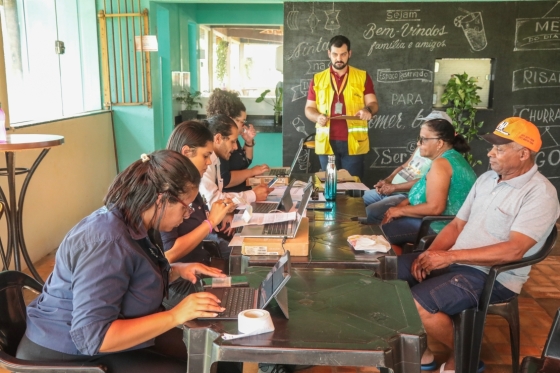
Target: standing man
(341, 90)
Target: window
(479, 68)
(45, 83)
(249, 65)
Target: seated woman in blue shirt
(236, 170)
(102, 303)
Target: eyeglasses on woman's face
(187, 209)
(422, 139)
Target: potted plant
(275, 102)
(461, 93)
(189, 101)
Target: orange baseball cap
(517, 130)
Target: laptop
(285, 171)
(266, 207)
(237, 299)
(285, 229)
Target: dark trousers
(354, 164)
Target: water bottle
(330, 182)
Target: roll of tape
(254, 322)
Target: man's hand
(262, 191)
(417, 271)
(379, 184)
(260, 169)
(387, 189)
(430, 260)
(363, 114)
(248, 133)
(322, 120)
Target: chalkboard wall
(398, 43)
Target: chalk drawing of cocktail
(474, 29)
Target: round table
(16, 241)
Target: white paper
(260, 219)
(237, 240)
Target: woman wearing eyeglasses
(184, 242)
(102, 303)
(236, 171)
(441, 191)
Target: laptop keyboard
(276, 228)
(236, 300)
(277, 171)
(263, 208)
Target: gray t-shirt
(527, 204)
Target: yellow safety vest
(358, 139)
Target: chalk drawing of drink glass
(473, 28)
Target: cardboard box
(298, 246)
(254, 181)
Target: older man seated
(507, 215)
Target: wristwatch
(369, 109)
(250, 146)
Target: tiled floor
(538, 303)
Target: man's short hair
(338, 41)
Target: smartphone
(215, 282)
(272, 182)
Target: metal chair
(13, 325)
(550, 357)
(469, 324)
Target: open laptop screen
(275, 279)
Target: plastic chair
(469, 324)
(551, 350)
(427, 221)
(13, 325)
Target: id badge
(338, 108)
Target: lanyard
(342, 86)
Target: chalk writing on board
(316, 66)
(397, 76)
(473, 28)
(539, 114)
(406, 32)
(300, 91)
(386, 121)
(292, 18)
(537, 33)
(305, 49)
(406, 99)
(535, 77)
(403, 15)
(549, 154)
(303, 160)
(313, 20)
(391, 157)
(332, 22)
(299, 125)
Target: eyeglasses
(422, 139)
(242, 121)
(187, 209)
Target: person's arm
(438, 180)
(386, 187)
(370, 101)
(248, 134)
(313, 114)
(240, 176)
(186, 243)
(126, 333)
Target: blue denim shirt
(101, 274)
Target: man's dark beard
(339, 67)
